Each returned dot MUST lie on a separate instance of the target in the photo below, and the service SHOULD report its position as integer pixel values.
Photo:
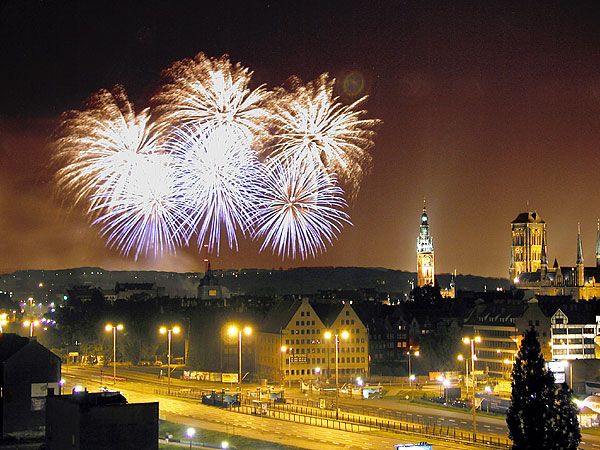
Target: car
(158, 363)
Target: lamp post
(284, 349)
(169, 332)
(31, 324)
(472, 341)
(462, 358)
(190, 434)
(344, 335)
(232, 332)
(411, 377)
(119, 327)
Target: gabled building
(28, 373)
(298, 327)
(574, 329)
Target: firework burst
(218, 171)
(213, 93)
(148, 214)
(100, 146)
(312, 123)
(300, 208)
(150, 182)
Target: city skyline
(487, 111)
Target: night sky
(487, 107)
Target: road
(193, 413)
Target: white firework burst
(310, 122)
(213, 93)
(218, 171)
(301, 209)
(148, 213)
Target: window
(297, 323)
(302, 313)
(558, 321)
(347, 312)
(575, 330)
(307, 313)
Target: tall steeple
(580, 274)
(544, 258)
(425, 254)
(598, 245)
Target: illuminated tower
(528, 232)
(425, 255)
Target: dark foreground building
(100, 421)
(28, 372)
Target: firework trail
(218, 171)
(213, 93)
(300, 208)
(312, 123)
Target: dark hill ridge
(302, 280)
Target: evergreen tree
(532, 416)
(567, 434)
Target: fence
(350, 418)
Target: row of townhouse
(292, 343)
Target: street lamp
(344, 335)
(169, 332)
(462, 358)
(411, 377)
(31, 324)
(190, 434)
(472, 341)
(232, 332)
(119, 327)
(284, 349)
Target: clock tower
(425, 254)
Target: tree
(567, 434)
(540, 416)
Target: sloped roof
(328, 312)
(492, 313)
(528, 217)
(280, 315)
(10, 344)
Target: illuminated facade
(529, 263)
(425, 254)
(299, 328)
(528, 232)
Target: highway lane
(445, 418)
(193, 413)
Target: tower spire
(580, 269)
(579, 245)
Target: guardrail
(352, 419)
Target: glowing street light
(169, 332)
(472, 341)
(190, 434)
(344, 335)
(461, 358)
(284, 349)
(411, 377)
(31, 324)
(119, 327)
(232, 332)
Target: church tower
(528, 232)
(425, 255)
